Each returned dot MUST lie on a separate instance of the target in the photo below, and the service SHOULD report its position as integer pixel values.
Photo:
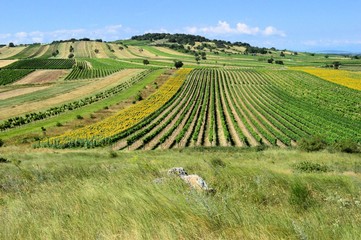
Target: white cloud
(21, 35)
(109, 33)
(268, 31)
(243, 28)
(224, 28)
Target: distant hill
(177, 42)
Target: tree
(178, 64)
(96, 50)
(270, 60)
(198, 59)
(70, 55)
(11, 44)
(336, 65)
(282, 54)
(145, 61)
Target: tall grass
(101, 195)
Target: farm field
(42, 76)
(342, 77)
(4, 63)
(20, 91)
(85, 89)
(7, 52)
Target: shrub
(70, 55)
(4, 160)
(312, 144)
(1, 142)
(308, 167)
(79, 117)
(58, 124)
(347, 146)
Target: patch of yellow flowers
(128, 117)
(349, 79)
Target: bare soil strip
(42, 76)
(93, 87)
(20, 91)
(4, 63)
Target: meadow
(87, 194)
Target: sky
(302, 25)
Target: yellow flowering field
(349, 79)
(124, 119)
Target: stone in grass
(194, 181)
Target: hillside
(89, 129)
(233, 94)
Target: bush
(58, 124)
(308, 167)
(4, 160)
(347, 146)
(315, 143)
(70, 55)
(79, 117)
(178, 64)
(1, 142)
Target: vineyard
(231, 108)
(42, 64)
(8, 76)
(121, 124)
(84, 70)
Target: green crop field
(42, 64)
(8, 76)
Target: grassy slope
(87, 194)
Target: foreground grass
(99, 194)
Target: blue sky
(302, 25)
